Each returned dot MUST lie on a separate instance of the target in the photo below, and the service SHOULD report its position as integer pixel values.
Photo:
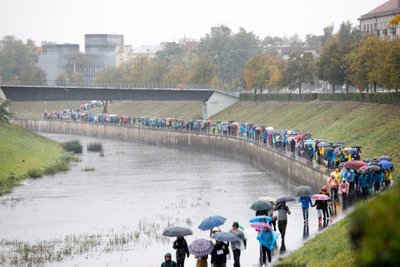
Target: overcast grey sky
(147, 22)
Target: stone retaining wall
(297, 171)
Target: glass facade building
(101, 51)
(54, 59)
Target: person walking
(333, 186)
(364, 183)
(305, 205)
(348, 174)
(267, 239)
(219, 253)
(283, 211)
(236, 245)
(168, 262)
(182, 250)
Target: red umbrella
(297, 137)
(355, 164)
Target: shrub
(73, 146)
(35, 173)
(95, 147)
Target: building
(54, 59)
(101, 50)
(220, 30)
(378, 20)
(144, 52)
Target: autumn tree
(5, 114)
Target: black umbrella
(177, 231)
(224, 236)
(285, 199)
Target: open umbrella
(297, 137)
(320, 197)
(177, 231)
(211, 222)
(285, 199)
(369, 168)
(260, 225)
(303, 190)
(388, 158)
(385, 164)
(260, 218)
(268, 199)
(201, 247)
(224, 236)
(261, 205)
(355, 164)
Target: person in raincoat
(168, 262)
(364, 183)
(348, 174)
(344, 189)
(332, 184)
(219, 253)
(388, 177)
(377, 179)
(267, 239)
(182, 250)
(202, 261)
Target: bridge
(213, 100)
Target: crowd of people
(350, 177)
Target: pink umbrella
(320, 197)
(260, 225)
(355, 164)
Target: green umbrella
(261, 205)
(303, 190)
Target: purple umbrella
(201, 247)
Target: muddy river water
(114, 212)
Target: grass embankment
(23, 152)
(374, 127)
(158, 109)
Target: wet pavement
(115, 215)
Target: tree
(203, 70)
(261, 71)
(300, 69)
(17, 61)
(5, 114)
(331, 65)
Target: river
(114, 212)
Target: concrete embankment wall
(297, 171)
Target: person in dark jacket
(168, 262)
(218, 255)
(182, 250)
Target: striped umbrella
(201, 247)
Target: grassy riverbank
(22, 151)
(374, 127)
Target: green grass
(374, 127)
(21, 152)
(331, 247)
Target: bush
(35, 173)
(73, 146)
(95, 147)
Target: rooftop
(391, 7)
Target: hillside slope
(374, 127)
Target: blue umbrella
(258, 219)
(385, 164)
(211, 222)
(225, 236)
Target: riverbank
(22, 151)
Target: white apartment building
(377, 21)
